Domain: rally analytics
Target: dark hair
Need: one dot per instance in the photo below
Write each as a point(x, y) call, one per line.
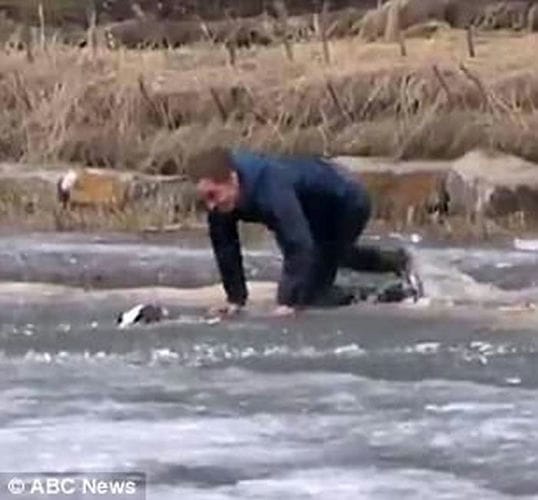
point(215, 164)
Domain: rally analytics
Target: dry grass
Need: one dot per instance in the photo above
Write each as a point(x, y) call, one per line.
point(152, 110)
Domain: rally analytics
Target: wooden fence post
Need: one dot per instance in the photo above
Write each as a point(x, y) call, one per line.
point(27, 38)
point(41, 15)
point(282, 16)
point(323, 31)
point(470, 41)
point(92, 25)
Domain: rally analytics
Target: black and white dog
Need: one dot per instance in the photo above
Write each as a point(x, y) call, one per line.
point(410, 288)
point(141, 313)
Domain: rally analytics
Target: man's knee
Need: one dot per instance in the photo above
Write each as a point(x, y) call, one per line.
point(332, 296)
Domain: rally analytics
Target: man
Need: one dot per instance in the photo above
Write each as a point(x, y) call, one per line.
point(316, 210)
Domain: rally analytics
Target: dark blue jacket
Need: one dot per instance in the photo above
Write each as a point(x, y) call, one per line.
point(299, 199)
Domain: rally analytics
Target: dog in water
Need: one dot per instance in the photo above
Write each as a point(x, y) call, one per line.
point(141, 313)
point(410, 288)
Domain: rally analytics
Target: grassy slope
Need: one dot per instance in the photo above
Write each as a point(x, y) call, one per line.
point(93, 108)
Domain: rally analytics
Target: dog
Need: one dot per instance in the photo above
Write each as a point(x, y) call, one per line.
point(141, 313)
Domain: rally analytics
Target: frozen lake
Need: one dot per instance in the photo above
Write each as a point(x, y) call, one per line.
point(435, 400)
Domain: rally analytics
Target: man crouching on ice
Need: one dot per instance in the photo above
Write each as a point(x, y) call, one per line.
point(316, 211)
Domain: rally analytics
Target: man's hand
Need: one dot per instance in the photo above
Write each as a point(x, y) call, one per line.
point(225, 310)
point(281, 311)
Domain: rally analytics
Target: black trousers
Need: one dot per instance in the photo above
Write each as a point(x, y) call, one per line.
point(342, 251)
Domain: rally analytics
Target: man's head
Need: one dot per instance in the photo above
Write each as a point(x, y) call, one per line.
point(217, 183)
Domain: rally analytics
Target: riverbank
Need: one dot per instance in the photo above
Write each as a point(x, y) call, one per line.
point(445, 142)
point(481, 196)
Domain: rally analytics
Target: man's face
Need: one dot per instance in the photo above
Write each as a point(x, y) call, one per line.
point(219, 196)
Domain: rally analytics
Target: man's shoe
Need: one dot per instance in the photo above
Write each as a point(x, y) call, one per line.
point(335, 296)
point(394, 292)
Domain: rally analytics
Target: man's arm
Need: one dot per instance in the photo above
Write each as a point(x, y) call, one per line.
point(295, 240)
point(227, 249)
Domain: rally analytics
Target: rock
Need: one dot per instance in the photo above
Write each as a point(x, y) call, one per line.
point(532, 18)
point(477, 187)
point(342, 23)
point(408, 13)
point(24, 193)
point(385, 21)
point(241, 32)
point(396, 15)
point(461, 13)
point(33, 197)
point(426, 30)
point(299, 28)
point(505, 15)
point(373, 23)
point(156, 33)
point(496, 186)
point(408, 193)
point(91, 187)
point(411, 197)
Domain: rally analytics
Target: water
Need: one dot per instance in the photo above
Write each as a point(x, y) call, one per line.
point(435, 400)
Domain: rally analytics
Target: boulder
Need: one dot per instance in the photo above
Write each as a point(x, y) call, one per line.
point(461, 13)
point(403, 14)
point(93, 188)
point(373, 23)
point(532, 18)
point(398, 15)
point(496, 186)
point(403, 193)
point(241, 32)
point(480, 186)
point(93, 197)
point(179, 33)
point(25, 193)
point(299, 28)
point(407, 197)
point(343, 23)
point(155, 33)
point(133, 33)
point(505, 15)
point(152, 33)
point(426, 30)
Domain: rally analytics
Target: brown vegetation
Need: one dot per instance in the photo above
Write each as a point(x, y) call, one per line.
point(151, 110)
